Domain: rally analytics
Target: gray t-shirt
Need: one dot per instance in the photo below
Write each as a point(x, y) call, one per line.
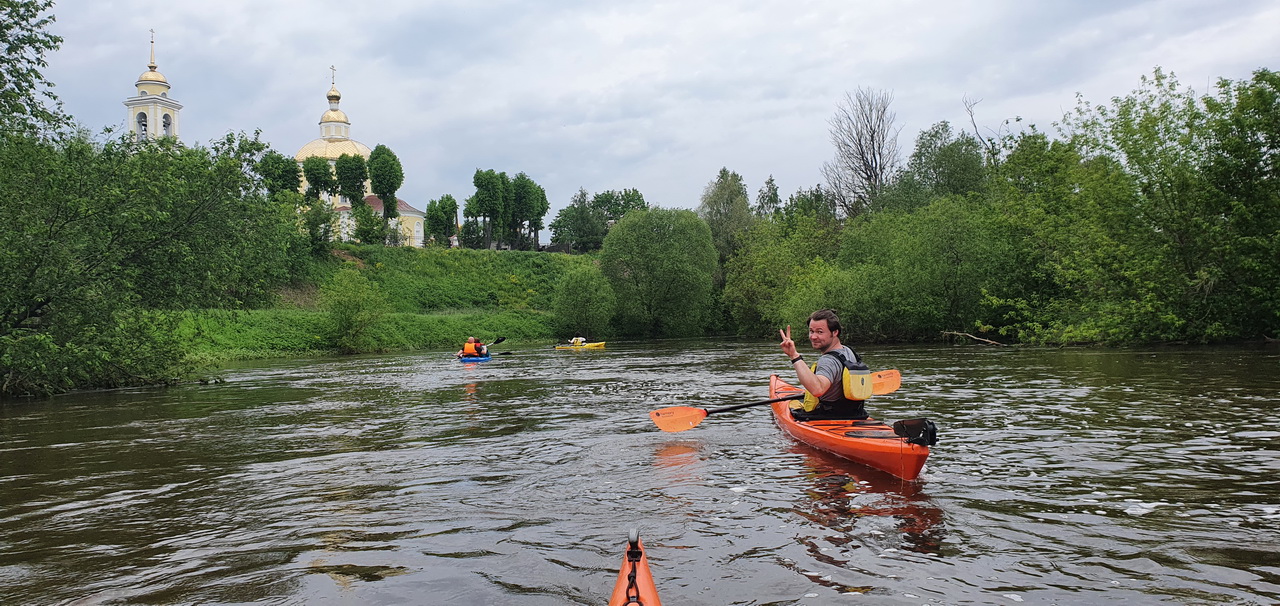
point(831, 368)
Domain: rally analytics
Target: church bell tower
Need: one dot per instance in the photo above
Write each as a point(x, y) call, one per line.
point(152, 113)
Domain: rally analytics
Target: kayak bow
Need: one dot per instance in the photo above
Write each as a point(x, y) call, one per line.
point(634, 584)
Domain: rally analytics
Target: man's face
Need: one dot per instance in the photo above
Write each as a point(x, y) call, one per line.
point(819, 335)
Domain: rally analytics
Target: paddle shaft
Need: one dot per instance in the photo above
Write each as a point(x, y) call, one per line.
point(761, 403)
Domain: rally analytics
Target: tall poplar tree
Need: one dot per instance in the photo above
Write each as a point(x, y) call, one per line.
point(386, 175)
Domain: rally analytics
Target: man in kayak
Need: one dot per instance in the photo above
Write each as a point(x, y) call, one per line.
point(472, 348)
point(578, 340)
point(825, 380)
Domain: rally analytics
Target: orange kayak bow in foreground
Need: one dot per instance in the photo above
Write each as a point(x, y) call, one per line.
point(635, 584)
point(867, 441)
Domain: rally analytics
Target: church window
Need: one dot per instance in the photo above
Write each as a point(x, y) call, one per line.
point(167, 123)
point(142, 126)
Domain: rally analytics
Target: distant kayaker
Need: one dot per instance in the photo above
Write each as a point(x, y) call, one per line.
point(578, 340)
point(826, 378)
point(472, 348)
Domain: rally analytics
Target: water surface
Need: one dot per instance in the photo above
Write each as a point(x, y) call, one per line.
point(1063, 477)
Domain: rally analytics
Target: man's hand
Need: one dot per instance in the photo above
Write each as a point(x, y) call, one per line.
point(788, 346)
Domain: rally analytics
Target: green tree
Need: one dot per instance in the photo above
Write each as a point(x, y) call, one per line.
point(944, 163)
point(1163, 135)
point(815, 203)
point(101, 238)
point(727, 210)
point(319, 176)
point(528, 206)
point(768, 201)
point(351, 172)
point(386, 175)
point(27, 102)
point(318, 218)
point(442, 219)
point(354, 306)
point(579, 225)
point(279, 173)
point(615, 204)
point(584, 302)
point(759, 275)
point(1242, 165)
point(472, 234)
point(661, 263)
point(489, 200)
point(920, 273)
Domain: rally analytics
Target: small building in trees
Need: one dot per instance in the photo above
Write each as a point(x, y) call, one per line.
point(335, 141)
point(151, 113)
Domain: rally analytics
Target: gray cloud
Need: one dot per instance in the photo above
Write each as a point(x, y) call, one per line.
point(652, 95)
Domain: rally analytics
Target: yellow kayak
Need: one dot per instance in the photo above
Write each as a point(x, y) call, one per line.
point(598, 345)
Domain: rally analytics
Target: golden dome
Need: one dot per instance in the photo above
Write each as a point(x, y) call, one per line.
point(152, 75)
point(335, 115)
point(333, 94)
point(332, 149)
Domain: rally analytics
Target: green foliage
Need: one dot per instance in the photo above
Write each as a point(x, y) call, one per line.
point(814, 203)
point(759, 277)
point(386, 175)
point(95, 234)
point(441, 218)
point(131, 347)
point(580, 224)
point(1163, 225)
point(472, 235)
point(489, 199)
point(279, 173)
point(584, 302)
point(727, 210)
point(660, 263)
point(924, 272)
point(439, 279)
point(319, 176)
point(350, 172)
point(317, 223)
point(767, 199)
point(615, 205)
point(220, 335)
point(24, 91)
point(354, 306)
point(944, 163)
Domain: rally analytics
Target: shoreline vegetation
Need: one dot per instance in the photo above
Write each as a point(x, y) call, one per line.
point(129, 260)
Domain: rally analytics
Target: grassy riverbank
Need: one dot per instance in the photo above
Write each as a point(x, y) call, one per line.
point(218, 336)
point(423, 299)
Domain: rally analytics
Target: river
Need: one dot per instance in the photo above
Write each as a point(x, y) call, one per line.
point(1074, 476)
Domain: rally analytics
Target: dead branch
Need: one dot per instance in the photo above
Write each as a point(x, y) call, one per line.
point(965, 334)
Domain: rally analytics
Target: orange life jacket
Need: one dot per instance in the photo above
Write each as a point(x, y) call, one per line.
point(471, 349)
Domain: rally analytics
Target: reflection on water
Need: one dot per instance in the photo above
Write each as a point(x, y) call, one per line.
point(1063, 476)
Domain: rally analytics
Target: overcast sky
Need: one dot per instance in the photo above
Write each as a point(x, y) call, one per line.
point(651, 95)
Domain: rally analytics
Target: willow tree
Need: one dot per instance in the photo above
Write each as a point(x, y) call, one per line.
point(660, 263)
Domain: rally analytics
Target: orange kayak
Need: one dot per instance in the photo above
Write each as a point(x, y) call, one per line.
point(869, 442)
point(635, 584)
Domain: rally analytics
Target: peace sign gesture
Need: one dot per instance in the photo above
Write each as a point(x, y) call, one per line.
point(788, 346)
